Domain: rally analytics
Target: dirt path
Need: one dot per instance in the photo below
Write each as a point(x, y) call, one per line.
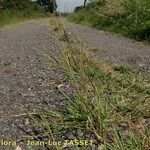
point(115, 48)
point(29, 80)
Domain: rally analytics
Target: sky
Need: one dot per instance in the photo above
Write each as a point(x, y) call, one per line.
point(68, 5)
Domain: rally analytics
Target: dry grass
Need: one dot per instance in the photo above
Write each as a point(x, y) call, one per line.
point(56, 24)
point(113, 7)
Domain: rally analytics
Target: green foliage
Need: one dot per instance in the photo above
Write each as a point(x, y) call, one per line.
point(49, 5)
point(19, 5)
point(12, 11)
point(128, 17)
point(78, 8)
point(11, 17)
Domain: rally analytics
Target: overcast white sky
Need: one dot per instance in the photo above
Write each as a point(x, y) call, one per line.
point(68, 5)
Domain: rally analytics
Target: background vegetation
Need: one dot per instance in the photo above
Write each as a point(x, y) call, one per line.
point(49, 5)
point(17, 10)
point(127, 17)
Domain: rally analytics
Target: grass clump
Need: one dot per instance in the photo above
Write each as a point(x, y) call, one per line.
point(130, 18)
point(109, 103)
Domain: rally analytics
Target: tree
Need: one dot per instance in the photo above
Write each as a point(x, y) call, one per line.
point(78, 8)
point(85, 1)
point(49, 5)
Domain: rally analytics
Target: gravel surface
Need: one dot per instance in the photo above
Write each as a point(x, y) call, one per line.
point(115, 48)
point(29, 80)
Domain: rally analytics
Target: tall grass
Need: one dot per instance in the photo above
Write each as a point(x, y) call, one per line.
point(109, 103)
point(127, 17)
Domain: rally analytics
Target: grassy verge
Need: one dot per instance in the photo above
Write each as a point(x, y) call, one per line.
point(14, 11)
point(12, 17)
point(109, 103)
point(130, 18)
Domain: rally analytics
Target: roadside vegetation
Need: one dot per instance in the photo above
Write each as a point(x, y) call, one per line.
point(110, 104)
point(130, 18)
point(13, 11)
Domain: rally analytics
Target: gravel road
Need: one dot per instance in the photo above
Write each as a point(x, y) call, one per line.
point(115, 48)
point(28, 79)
